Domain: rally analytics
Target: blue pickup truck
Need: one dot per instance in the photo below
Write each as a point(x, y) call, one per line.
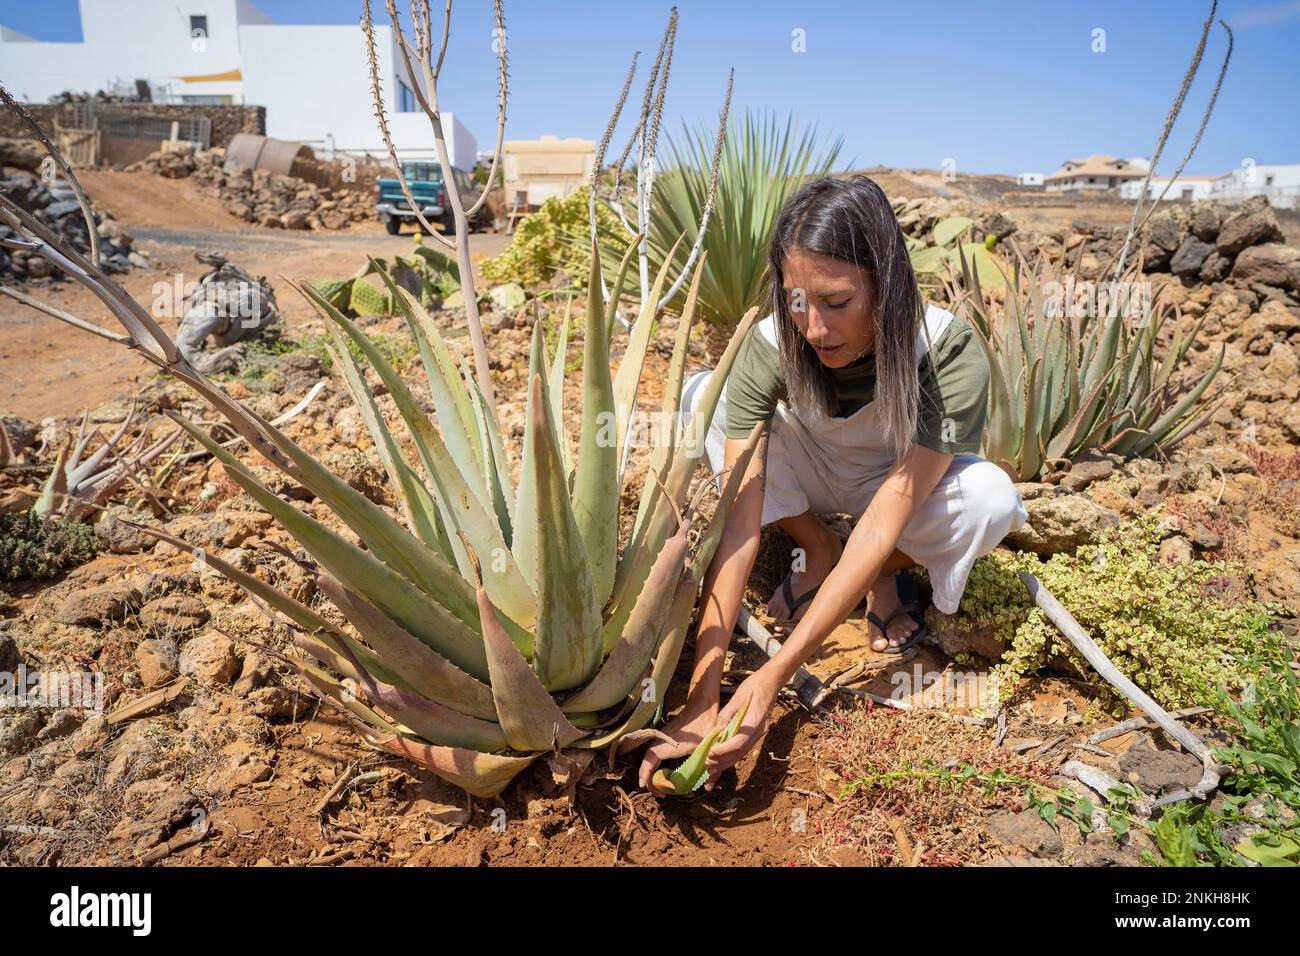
point(429, 191)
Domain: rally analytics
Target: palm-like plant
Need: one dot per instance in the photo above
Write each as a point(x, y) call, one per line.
point(761, 164)
point(1065, 379)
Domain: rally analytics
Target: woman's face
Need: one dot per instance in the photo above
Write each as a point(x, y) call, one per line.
point(832, 303)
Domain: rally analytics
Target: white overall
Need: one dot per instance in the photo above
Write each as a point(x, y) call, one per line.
point(834, 465)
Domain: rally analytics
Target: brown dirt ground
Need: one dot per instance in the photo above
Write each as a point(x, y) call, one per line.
point(50, 369)
point(784, 805)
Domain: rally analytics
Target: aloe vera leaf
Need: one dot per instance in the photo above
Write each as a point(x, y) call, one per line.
point(529, 716)
point(635, 643)
point(661, 672)
point(628, 376)
point(463, 510)
point(642, 550)
point(616, 290)
point(423, 669)
point(567, 646)
point(664, 451)
point(692, 773)
point(594, 501)
point(556, 389)
point(362, 572)
point(483, 775)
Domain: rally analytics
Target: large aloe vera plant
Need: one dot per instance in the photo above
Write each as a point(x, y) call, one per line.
point(495, 621)
point(498, 621)
point(1066, 379)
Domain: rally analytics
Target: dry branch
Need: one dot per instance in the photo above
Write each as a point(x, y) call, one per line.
point(1102, 664)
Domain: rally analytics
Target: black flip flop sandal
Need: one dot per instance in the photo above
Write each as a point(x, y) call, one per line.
point(910, 597)
point(787, 591)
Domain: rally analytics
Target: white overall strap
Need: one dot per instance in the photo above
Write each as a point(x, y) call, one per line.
point(936, 320)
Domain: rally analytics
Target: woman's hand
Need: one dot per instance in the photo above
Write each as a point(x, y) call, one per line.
point(688, 728)
point(757, 695)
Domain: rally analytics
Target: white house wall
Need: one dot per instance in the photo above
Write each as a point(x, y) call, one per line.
point(149, 40)
point(1201, 189)
point(313, 80)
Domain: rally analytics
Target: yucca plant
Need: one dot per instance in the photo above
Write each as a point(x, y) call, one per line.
point(762, 162)
point(1064, 380)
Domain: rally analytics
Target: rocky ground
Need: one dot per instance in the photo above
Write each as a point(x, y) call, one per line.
point(208, 752)
point(55, 207)
point(261, 197)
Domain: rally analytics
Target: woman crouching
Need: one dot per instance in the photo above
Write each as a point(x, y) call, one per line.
point(876, 407)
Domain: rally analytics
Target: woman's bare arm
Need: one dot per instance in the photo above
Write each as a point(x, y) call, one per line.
point(724, 582)
point(724, 586)
point(909, 482)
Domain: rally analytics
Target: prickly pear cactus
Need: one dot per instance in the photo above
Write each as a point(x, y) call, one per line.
point(337, 292)
point(367, 300)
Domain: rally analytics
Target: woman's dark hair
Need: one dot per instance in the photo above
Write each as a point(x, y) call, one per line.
point(852, 220)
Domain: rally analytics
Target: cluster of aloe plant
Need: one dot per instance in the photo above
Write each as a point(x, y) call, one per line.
point(1067, 378)
point(499, 622)
point(83, 479)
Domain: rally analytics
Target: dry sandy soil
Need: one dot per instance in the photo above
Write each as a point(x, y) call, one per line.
point(47, 368)
point(272, 790)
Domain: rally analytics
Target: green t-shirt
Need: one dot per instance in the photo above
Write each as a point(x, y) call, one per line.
point(953, 384)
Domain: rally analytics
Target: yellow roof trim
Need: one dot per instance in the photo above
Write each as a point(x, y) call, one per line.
point(228, 76)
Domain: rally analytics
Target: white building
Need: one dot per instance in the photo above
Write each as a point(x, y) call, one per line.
point(1279, 183)
point(1029, 179)
point(1097, 173)
point(1185, 188)
point(313, 80)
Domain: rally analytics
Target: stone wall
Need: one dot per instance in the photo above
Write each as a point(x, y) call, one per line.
point(226, 122)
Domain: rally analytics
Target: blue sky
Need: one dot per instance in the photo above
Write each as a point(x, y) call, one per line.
point(1000, 86)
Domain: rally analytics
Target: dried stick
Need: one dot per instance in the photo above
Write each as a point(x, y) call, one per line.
point(501, 116)
point(381, 115)
point(646, 133)
point(1174, 110)
point(1196, 140)
point(599, 160)
point(181, 841)
point(428, 100)
point(709, 197)
point(1102, 664)
point(1102, 783)
point(62, 316)
point(1141, 723)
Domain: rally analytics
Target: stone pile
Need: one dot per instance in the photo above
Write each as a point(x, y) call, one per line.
point(56, 208)
point(1203, 241)
point(261, 197)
